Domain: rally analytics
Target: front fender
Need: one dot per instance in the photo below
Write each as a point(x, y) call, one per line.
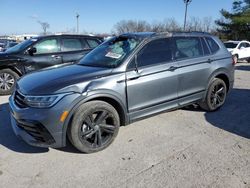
point(85, 97)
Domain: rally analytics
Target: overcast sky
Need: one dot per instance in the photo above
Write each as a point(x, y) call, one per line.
point(98, 16)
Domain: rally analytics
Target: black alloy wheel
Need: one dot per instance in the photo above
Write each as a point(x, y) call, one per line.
point(216, 95)
point(94, 126)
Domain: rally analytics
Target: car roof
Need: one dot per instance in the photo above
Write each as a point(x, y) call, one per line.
point(143, 35)
point(67, 35)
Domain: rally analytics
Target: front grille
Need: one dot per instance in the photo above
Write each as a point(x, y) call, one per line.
point(19, 99)
point(37, 131)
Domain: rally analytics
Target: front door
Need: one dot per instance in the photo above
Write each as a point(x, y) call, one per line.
point(47, 54)
point(153, 85)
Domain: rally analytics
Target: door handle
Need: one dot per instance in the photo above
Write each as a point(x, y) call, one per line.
point(134, 78)
point(172, 68)
point(209, 61)
point(56, 56)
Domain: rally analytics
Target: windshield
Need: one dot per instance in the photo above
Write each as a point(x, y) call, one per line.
point(21, 46)
point(111, 53)
point(230, 44)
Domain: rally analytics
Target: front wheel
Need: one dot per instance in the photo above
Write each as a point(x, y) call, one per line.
point(216, 95)
point(8, 80)
point(94, 126)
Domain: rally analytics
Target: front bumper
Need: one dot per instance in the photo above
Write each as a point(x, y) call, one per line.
point(41, 127)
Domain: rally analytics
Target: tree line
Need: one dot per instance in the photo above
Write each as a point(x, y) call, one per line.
point(234, 24)
point(194, 24)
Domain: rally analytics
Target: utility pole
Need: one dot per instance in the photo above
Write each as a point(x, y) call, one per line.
point(187, 2)
point(77, 22)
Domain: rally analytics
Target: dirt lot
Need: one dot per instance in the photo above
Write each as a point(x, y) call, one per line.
point(182, 148)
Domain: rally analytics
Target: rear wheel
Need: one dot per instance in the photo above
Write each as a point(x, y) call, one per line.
point(216, 95)
point(94, 126)
point(8, 80)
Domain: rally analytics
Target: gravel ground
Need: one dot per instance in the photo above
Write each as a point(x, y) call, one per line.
point(181, 148)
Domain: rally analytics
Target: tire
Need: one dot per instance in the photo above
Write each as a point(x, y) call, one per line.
point(235, 58)
point(8, 80)
point(216, 95)
point(94, 126)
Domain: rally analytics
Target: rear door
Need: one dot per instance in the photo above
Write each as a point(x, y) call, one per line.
point(48, 53)
point(73, 48)
point(154, 84)
point(194, 61)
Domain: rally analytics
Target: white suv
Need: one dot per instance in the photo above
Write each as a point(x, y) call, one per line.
point(239, 50)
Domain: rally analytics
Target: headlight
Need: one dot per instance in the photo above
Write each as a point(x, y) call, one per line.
point(45, 101)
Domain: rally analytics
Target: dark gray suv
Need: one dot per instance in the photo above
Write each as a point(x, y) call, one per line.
point(126, 78)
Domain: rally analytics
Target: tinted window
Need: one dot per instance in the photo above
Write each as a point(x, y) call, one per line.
point(205, 47)
point(71, 44)
point(157, 51)
point(247, 45)
point(85, 44)
point(230, 44)
point(47, 46)
point(92, 43)
point(212, 45)
point(187, 47)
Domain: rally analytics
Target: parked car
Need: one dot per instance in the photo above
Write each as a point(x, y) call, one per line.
point(9, 45)
point(239, 49)
point(125, 79)
point(40, 52)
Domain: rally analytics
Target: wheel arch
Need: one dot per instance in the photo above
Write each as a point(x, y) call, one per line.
point(14, 69)
point(110, 99)
point(218, 74)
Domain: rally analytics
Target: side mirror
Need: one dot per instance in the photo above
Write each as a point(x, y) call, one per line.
point(31, 51)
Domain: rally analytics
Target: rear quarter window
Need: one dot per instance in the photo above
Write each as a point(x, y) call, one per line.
point(214, 47)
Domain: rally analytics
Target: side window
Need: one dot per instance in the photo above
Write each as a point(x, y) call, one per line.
point(85, 44)
point(212, 45)
point(247, 45)
point(47, 46)
point(157, 51)
point(242, 45)
point(92, 43)
point(188, 47)
point(205, 47)
point(69, 44)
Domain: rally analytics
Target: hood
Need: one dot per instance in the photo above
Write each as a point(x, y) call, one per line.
point(4, 56)
point(55, 80)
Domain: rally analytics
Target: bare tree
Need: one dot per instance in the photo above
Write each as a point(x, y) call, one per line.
point(126, 26)
point(172, 25)
point(169, 25)
point(207, 24)
point(44, 26)
point(158, 27)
